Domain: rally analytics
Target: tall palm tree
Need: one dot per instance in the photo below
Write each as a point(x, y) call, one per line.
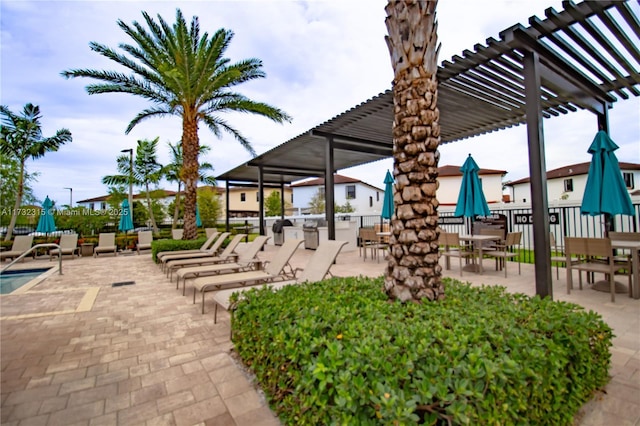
point(21, 138)
point(146, 171)
point(413, 272)
point(182, 73)
point(173, 173)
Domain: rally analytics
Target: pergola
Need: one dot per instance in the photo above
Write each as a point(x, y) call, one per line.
point(586, 56)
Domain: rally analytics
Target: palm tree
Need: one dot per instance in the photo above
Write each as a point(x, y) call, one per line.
point(21, 138)
point(413, 272)
point(146, 171)
point(185, 74)
point(172, 172)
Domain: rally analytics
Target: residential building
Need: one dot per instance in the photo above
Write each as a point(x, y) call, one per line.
point(101, 203)
point(569, 182)
point(362, 197)
point(450, 181)
point(245, 201)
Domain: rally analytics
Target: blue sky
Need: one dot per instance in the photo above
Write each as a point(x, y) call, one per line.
point(321, 58)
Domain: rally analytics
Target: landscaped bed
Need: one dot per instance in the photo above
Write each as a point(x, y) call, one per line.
point(338, 352)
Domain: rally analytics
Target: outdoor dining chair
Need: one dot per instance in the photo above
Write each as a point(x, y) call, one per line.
point(507, 250)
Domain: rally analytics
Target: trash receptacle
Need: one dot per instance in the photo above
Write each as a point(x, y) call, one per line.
point(311, 235)
point(278, 232)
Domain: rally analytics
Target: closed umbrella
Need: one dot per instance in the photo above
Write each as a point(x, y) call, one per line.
point(471, 200)
point(126, 220)
point(198, 220)
point(605, 192)
point(387, 203)
point(46, 223)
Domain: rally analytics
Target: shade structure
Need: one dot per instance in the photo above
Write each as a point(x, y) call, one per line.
point(198, 220)
point(471, 200)
point(387, 203)
point(605, 192)
point(126, 219)
point(46, 223)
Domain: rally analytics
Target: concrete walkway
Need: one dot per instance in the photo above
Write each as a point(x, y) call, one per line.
point(76, 350)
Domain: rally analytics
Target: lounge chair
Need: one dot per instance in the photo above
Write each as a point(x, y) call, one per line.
point(203, 247)
point(273, 271)
point(210, 231)
point(228, 255)
point(68, 246)
point(144, 240)
point(246, 260)
point(317, 268)
point(106, 244)
point(177, 234)
point(21, 244)
point(211, 251)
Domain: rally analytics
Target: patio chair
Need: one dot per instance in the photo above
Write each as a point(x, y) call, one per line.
point(203, 247)
point(211, 251)
point(454, 248)
point(68, 246)
point(210, 231)
point(559, 257)
point(106, 244)
point(504, 251)
point(595, 256)
point(21, 243)
point(144, 240)
point(245, 260)
point(317, 268)
point(177, 234)
point(273, 271)
point(227, 255)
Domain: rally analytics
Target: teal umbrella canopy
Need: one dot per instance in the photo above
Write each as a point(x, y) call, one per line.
point(198, 220)
point(387, 203)
point(471, 200)
point(46, 223)
point(605, 192)
point(126, 219)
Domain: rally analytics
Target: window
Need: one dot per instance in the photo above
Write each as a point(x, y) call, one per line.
point(91, 206)
point(628, 180)
point(258, 197)
point(103, 205)
point(243, 197)
point(568, 185)
point(371, 201)
point(377, 196)
point(351, 192)
point(292, 198)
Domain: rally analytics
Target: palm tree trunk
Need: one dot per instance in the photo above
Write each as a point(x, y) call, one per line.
point(413, 272)
point(151, 216)
point(16, 208)
point(190, 148)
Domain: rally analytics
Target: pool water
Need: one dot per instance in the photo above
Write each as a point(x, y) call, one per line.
point(13, 280)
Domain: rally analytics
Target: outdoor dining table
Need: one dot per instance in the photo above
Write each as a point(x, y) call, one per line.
point(477, 241)
point(634, 246)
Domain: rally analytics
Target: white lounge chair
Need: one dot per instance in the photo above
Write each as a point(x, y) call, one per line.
point(68, 246)
point(106, 244)
point(144, 240)
point(21, 244)
point(211, 251)
point(210, 239)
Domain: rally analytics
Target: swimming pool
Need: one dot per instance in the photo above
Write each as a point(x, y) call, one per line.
point(13, 280)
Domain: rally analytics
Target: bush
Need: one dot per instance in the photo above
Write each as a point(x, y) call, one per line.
point(172, 245)
point(338, 352)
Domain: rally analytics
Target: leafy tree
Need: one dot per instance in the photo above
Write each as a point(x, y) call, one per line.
point(210, 206)
point(182, 73)
point(21, 138)
point(9, 173)
point(317, 204)
point(146, 171)
point(345, 208)
point(173, 172)
point(273, 204)
point(413, 272)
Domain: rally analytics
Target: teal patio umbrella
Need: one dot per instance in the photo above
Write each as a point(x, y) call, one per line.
point(387, 203)
point(471, 200)
point(198, 220)
point(126, 219)
point(46, 223)
point(605, 192)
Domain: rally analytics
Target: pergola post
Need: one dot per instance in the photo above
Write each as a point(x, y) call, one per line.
point(329, 200)
point(537, 169)
point(261, 200)
point(282, 200)
point(226, 205)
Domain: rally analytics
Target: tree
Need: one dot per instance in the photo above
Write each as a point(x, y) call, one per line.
point(209, 206)
point(9, 174)
point(273, 204)
point(173, 173)
point(413, 272)
point(345, 208)
point(21, 138)
point(185, 74)
point(316, 205)
point(146, 171)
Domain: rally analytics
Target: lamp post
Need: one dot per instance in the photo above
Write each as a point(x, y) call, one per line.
point(130, 151)
point(70, 197)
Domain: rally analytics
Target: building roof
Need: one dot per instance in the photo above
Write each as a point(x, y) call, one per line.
point(101, 198)
point(572, 170)
point(450, 170)
point(337, 179)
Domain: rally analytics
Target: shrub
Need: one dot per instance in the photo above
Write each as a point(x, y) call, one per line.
point(338, 352)
point(172, 245)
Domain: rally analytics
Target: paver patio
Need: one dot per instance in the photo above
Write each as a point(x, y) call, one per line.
point(77, 351)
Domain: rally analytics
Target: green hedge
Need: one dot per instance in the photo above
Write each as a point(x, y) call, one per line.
point(338, 352)
point(172, 245)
